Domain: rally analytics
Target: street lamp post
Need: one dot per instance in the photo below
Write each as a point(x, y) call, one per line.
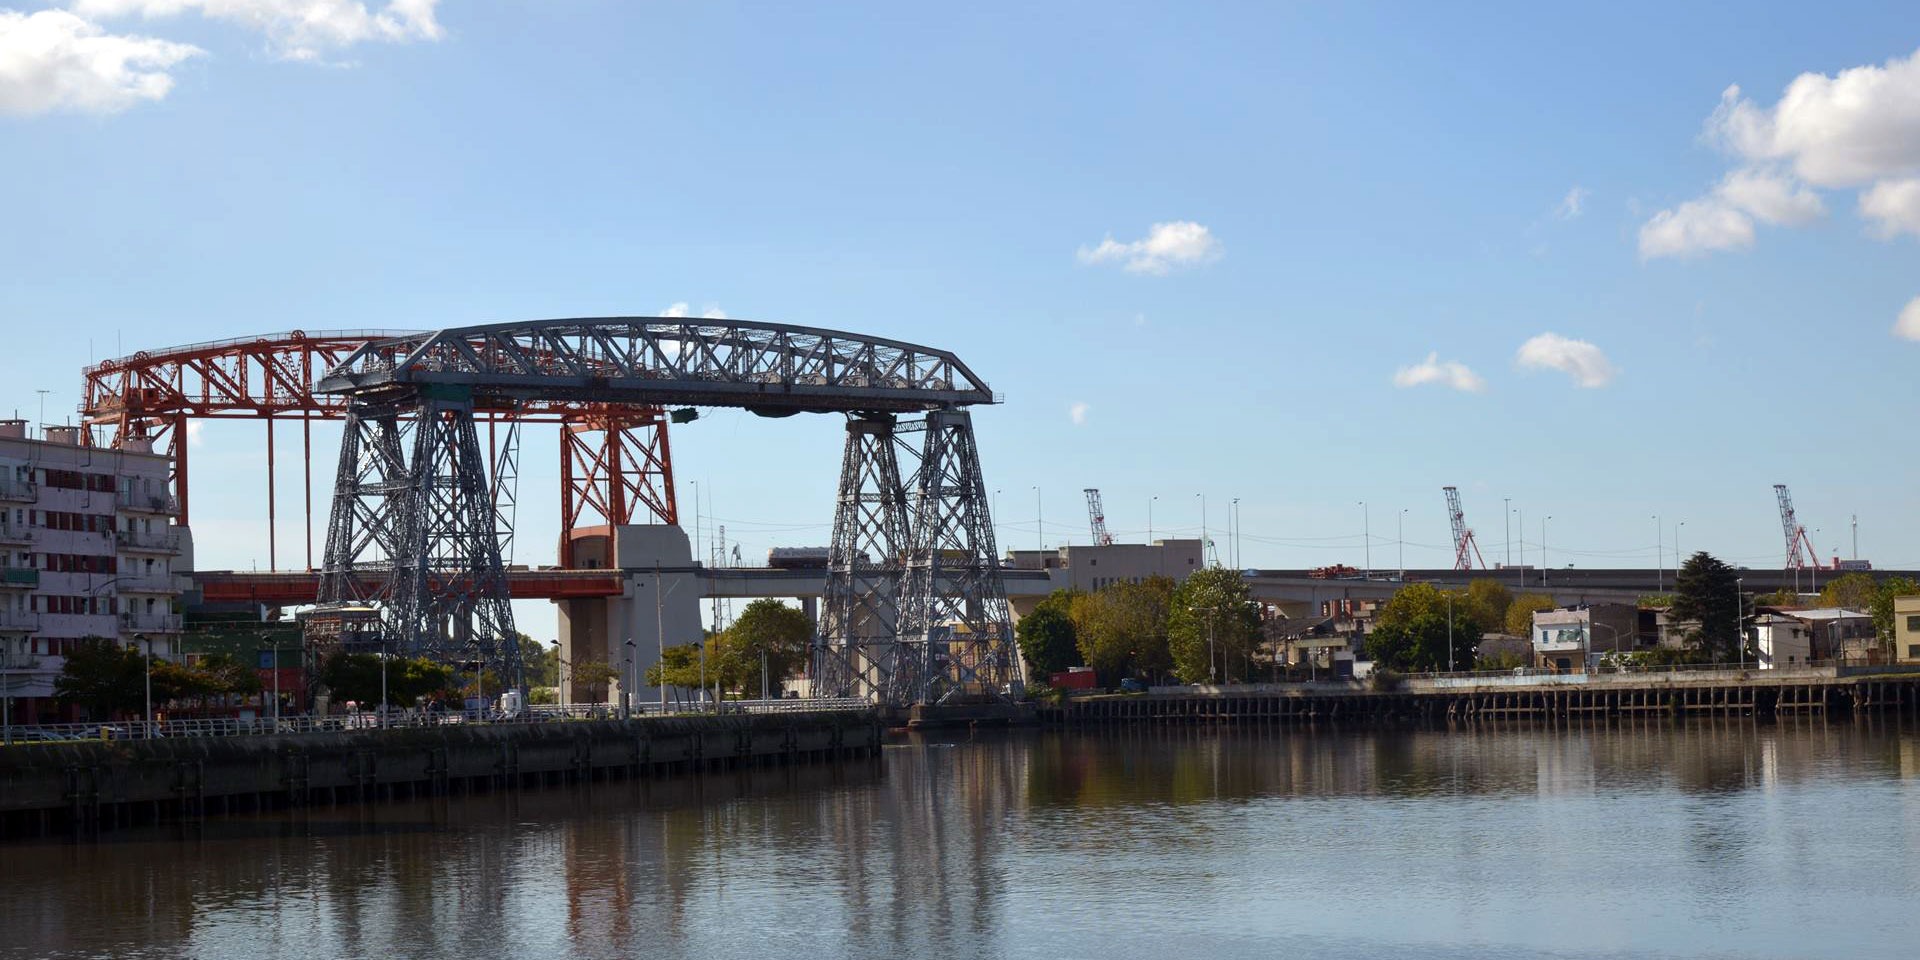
point(626, 683)
point(1676, 552)
point(383, 683)
point(147, 662)
point(1659, 562)
point(1739, 620)
point(1150, 501)
point(1449, 631)
point(559, 676)
point(1233, 535)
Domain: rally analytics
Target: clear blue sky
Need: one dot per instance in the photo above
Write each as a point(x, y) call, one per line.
point(1373, 184)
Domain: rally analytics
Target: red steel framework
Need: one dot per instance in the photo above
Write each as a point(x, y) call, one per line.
point(615, 462)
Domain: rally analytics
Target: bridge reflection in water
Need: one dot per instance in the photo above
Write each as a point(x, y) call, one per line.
point(1123, 843)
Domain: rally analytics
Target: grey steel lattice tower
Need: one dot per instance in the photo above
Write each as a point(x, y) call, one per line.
point(858, 652)
point(413, 545)
point(953, 614)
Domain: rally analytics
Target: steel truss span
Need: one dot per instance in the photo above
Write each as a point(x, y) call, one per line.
point(768, 368)
point(916, 609)
point(615, 459)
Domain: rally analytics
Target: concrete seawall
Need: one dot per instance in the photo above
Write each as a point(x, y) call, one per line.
point(1738, 694)
point(88, 785)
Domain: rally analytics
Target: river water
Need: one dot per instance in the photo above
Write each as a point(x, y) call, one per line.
point(1723, 839)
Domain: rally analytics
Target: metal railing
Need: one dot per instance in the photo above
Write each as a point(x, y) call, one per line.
point(22, 490)
point(11, 532)
point(151, 622)
point(164, 541)
point(150, 502)
point(393, 719)
point(16, 620)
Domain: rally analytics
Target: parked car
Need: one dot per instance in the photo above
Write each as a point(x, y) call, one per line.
point(1133, 685)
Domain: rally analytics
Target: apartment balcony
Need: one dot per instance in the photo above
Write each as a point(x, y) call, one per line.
point(19, 578)
point(18, 621)
point(19, 491)
point(160, 503)
point(146, 541)
point(150, 622)
point(15, 533)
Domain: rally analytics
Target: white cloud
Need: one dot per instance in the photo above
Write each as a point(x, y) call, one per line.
point(1078, 412)
point(1180, 243)
point(1894, 206)
point(1723, 219)
point(1582, 361)
point(297, 29)
point(1771, 197)
point(1572, 204)
point(680, 308)
point(1451, 374)
point(1908, 326)
point(1696, 226)
point(1859, 125)
point(51, 60)
point(195, 430)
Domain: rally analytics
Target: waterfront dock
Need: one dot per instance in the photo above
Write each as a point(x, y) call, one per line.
point(85, 786)
point(1759, 693)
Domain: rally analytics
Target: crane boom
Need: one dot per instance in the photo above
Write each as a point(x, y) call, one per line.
point(1795, 532)
point(1465, 549)
point(1097, 517)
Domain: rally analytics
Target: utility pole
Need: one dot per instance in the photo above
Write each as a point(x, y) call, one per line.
point(1150, 501)
point(1204, 542)
point(1856, 536)
point(1366, 536)
point(1543, 549)
point(1039, 526)
point(1659, 563)
point(1506, 505)
point(1400, 539)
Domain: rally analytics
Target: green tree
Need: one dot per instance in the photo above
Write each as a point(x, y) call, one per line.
point(766, 628)
point(1704, 593)
point(1122, 628)
point(1424, 628)
point(102, 677)
point(541, 666)
point(1488, 601)
point(1854, 591)
point(1212, 626)
point(679, 666)
point(1047, 638)
point(1783, 597)
point(1519, 618)
point(1882, 605)
point(595, 678)
point(230, 676)
point(356, 677)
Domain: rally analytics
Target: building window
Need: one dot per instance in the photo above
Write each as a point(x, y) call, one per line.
point(1913, 623)
point(1913, 651)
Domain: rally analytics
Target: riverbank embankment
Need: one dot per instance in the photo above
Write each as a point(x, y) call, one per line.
point(89, 785)
point(1761, 693)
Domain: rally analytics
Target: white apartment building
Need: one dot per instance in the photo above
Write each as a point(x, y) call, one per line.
point(88, 548)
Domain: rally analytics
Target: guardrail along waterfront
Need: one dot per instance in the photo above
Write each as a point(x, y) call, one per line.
point(1709, 691)
point(92, 784)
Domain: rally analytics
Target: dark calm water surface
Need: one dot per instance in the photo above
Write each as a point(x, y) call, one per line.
point(1726, 839)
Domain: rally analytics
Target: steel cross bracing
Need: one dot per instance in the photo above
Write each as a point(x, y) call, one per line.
point(954, 616)
point(773, 369)
point(915, 607)
point(857, 653)
point(413, 562)
point(151, 396)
